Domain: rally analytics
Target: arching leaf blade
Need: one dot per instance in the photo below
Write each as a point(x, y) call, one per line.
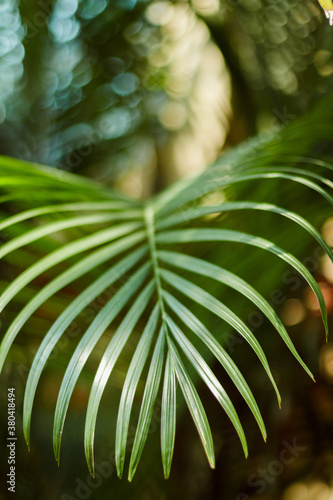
point(168, 415)
point(52, 227)
point(86, 345)
point(131, 381)
point(194, 404)
point(60, 325)
point(197, 327)
point(294, 178)
point(59, 178)
point(294, 171)
point(198, 212)
point(119, 209)
point(210, 380)
point(147, 406)
point(63, 253)
point(207, 300)
point(217, 273)
point(193, 189)
point(105, 368)
point(201, 235)
point(76, 271)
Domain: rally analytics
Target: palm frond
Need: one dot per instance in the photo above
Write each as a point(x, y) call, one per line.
point(152, 253)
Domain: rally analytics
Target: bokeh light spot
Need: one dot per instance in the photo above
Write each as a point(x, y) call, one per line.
point(293, 312)
point(326, 362)
point(125, 84)
point(115, 123)
point(173, 115)
point(160, 13)
point(92, 8)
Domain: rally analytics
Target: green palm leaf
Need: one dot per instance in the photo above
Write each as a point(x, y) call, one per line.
point(62, 280)
point(69, 250)
point(86, 345)
point(192, 190)
point(106, 365)
point(60, 325)
point(215, 306)
point(119, 240)
point(116, 207)
point(130, 385)
point(196, 326)
point(204, 268)
point(209, 378)
point(194, 404)
point(199, 212)
point(168, 415)
point(53, 227)
point(147, 405)
point(201, 235)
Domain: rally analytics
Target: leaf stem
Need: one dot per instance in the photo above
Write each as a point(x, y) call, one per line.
point(150, 229)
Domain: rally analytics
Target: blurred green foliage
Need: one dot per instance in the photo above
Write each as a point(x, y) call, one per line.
point(105, 87)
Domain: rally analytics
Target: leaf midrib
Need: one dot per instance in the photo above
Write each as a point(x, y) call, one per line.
point(150, 230)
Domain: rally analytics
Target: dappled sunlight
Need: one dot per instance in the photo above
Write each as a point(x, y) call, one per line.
point(179, 94)
point(197, 87)
point(312, 490)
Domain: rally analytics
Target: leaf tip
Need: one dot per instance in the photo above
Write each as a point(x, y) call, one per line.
point(131, 471)
point(312, 376)
point(166, 470)
point(278, 397)
point(57, 456)
point(27, 439)
point(245, 448)
point(120, 471)
point(91, 467)
point(264, 434)
point(325, 321)
point(57, 445)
